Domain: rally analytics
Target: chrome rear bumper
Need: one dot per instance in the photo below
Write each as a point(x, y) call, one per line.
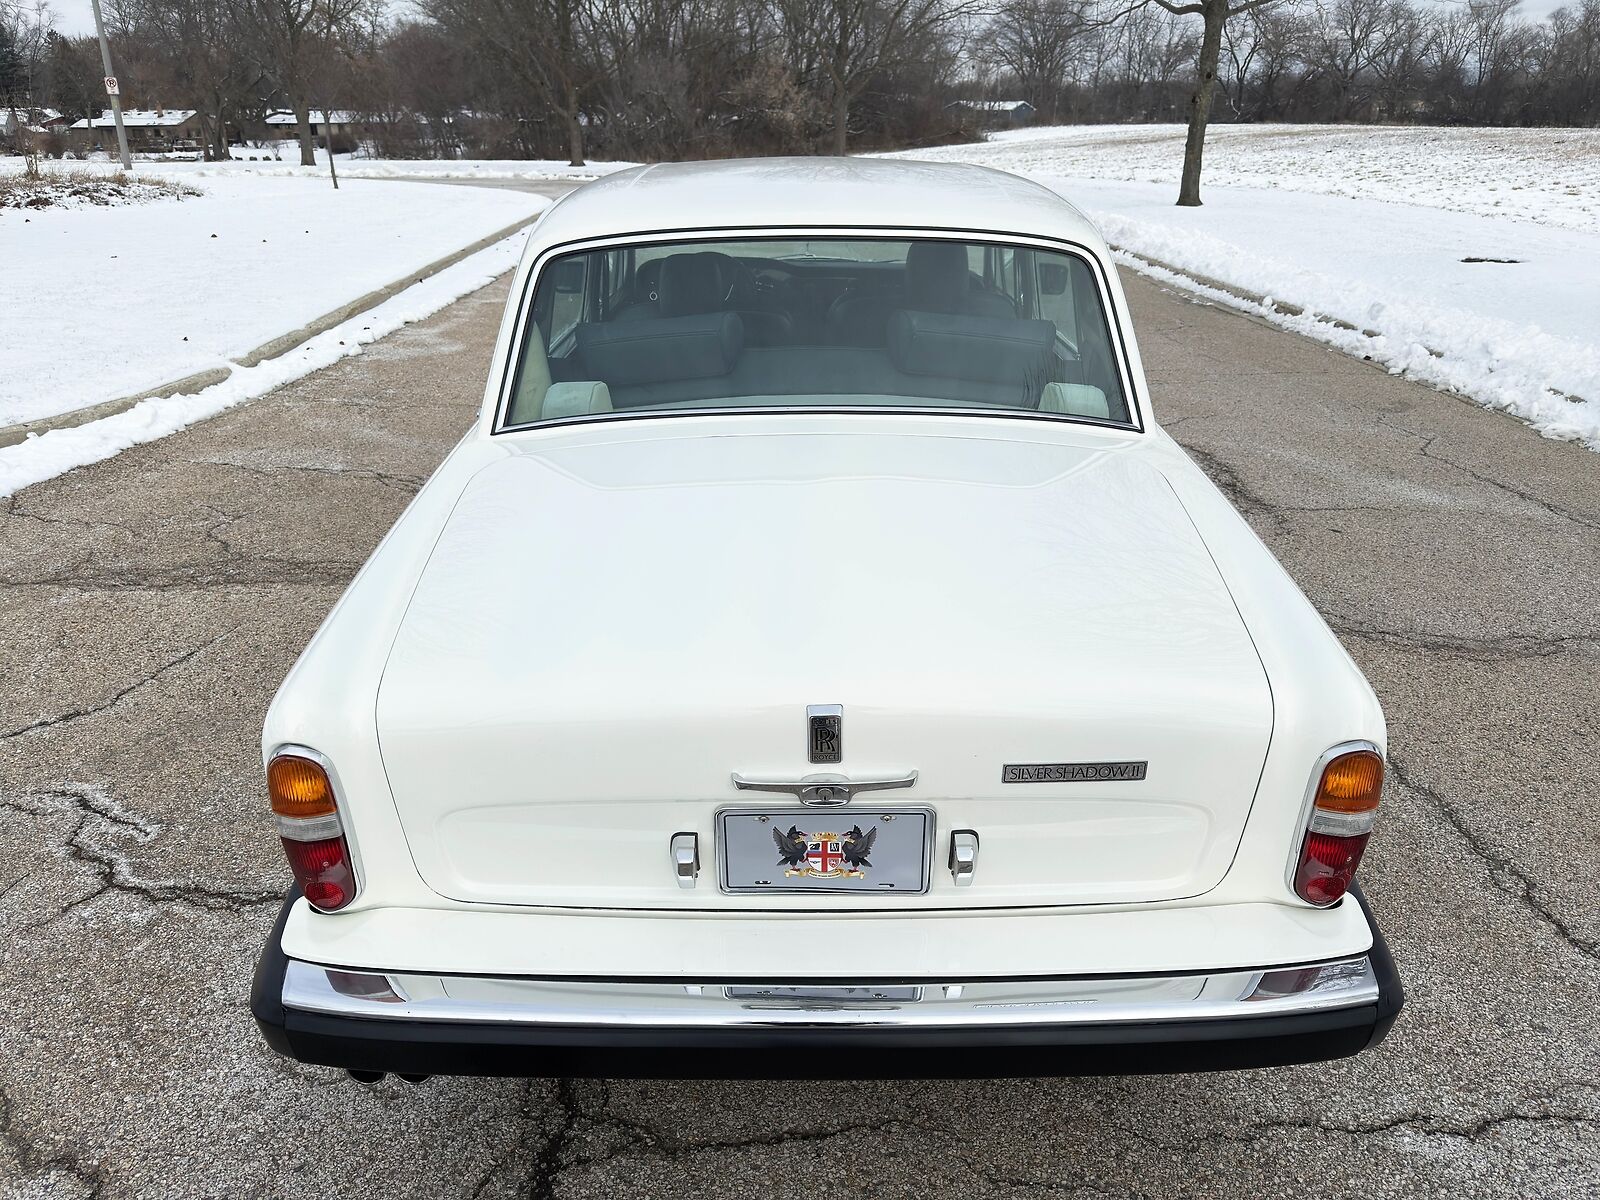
point(1318, 987)
point(493, 1025)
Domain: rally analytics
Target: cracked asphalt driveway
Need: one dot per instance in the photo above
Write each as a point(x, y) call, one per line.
point(149, 606)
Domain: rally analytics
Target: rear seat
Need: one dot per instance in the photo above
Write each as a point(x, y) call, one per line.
point(679, 360)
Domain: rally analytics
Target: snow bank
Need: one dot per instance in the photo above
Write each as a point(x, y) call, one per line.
point(130, 297)
point(49, 454)
point(1522, 335)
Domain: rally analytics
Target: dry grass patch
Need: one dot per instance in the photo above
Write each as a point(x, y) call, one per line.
point(39, 186)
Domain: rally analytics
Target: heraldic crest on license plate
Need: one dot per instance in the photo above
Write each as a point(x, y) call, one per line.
point(764, 850)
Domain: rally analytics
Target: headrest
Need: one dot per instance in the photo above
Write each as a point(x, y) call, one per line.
point(693, 283)
point(575, 399)
point(981, 349)
point(658, 351)
point(1075, 399)
point(936, 276)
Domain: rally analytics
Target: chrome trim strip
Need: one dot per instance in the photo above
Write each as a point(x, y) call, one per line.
point(825, 790)
point(1114, 999)
point(1306, 803)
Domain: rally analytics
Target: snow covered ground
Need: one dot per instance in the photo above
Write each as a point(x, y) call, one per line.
point(1370, 227)
point(1551, 176)
point(128, 297)
point(49, 454)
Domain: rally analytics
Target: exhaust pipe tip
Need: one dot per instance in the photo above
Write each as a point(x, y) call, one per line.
point(367, 1077)
point(416, 1079)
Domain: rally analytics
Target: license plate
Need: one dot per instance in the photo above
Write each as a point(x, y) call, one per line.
point(880, 850)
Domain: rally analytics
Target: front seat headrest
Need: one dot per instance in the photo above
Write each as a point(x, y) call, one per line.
point(936, 276)
point(692, 284)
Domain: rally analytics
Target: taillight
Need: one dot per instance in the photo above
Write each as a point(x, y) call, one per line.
point(1342, 810)
point(307, 815)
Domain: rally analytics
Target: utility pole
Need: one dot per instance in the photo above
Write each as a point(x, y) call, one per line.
point(112, 90)
point(327, 138)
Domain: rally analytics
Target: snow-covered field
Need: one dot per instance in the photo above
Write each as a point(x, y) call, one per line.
point(1370, 227)
point(1551, 176)
point(123, 298)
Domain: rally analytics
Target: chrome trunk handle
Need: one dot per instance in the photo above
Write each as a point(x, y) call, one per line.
point(824, 791)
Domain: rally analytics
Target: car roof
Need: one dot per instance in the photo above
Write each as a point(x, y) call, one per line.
point(765, 193)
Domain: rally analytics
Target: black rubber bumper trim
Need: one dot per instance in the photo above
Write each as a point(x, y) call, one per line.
point(1157, 1047)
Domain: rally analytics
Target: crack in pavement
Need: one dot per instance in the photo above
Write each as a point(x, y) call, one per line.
point(1228, 480)
point(558, 1153)
point(1504, 873)
point(94, 809)
point(241, 571)
point(649, 1143)
point(40, 1163)
point(1251, 502)
point(79, 714)
point(14, 509)
point(1424, 1123)
point(1425, 450)
point(1509, 647)
point(409, 484)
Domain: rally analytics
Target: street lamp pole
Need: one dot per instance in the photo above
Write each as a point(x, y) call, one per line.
point(112, 90)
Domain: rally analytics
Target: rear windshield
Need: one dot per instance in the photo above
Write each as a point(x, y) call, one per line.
point(817, 323)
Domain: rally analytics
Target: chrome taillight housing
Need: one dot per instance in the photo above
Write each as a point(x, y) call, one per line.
point(1339, 817)
point(306, 811)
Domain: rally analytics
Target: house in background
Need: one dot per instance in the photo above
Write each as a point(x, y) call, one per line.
point(282, 124)
point(993, 114)
point(17, 123)
point(150, 130)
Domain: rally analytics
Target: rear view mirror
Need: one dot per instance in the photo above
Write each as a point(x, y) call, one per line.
point(567, 276)
point(1052, 278)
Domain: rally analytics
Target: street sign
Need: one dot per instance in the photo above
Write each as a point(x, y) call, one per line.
point(111, 86)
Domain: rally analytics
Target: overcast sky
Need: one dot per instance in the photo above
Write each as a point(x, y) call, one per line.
point(75, 16)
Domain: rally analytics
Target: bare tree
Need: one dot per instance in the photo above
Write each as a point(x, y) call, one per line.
point(1343, 40)
point(199, 56)
point(1038, 42)
point(1214, 15)
point(544, 44)
point(847, 42)
point(292, 41)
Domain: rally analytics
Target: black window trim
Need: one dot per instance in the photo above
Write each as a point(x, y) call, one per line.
point(511, 365)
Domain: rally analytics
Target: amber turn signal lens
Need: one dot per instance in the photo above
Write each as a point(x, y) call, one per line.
point(1351, 783)
point(299, 787)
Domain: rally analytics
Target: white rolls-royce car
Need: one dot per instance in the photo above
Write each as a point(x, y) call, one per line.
point(816, 661)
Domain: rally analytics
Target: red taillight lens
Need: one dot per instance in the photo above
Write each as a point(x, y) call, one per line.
point(1327, 865)
point(307, 814)
point(322, 869)
point(1342, 811)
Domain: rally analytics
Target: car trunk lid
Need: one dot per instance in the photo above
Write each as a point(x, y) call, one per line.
point(606, 634)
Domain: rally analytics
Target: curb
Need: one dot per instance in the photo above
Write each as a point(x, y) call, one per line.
point(1281, 307)
point(11, 435)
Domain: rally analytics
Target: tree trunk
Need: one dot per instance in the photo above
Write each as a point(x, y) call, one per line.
point(1216, 11)
point(302, 122)
point(841, 119)
point(574, 129)
point(220, 151)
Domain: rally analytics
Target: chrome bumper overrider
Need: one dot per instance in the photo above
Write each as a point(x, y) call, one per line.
point(622, 1004)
